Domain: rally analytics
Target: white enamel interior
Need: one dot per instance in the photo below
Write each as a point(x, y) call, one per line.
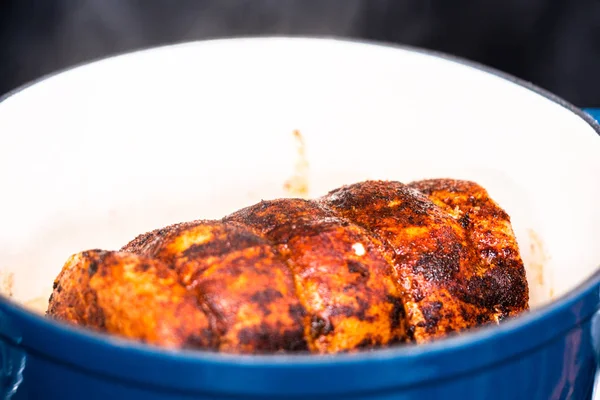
point(93, 156)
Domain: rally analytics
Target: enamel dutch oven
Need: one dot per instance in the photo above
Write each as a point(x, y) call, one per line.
point(92, 156)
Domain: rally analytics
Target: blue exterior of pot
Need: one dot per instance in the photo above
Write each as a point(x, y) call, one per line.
point(550, 353)
point(594, 112)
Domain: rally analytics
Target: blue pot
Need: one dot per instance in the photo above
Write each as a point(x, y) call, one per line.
point(548, 353)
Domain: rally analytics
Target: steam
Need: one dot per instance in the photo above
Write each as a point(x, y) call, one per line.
point(57, 34)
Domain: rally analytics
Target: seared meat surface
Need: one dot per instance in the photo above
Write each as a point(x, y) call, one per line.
point(368, 265)
point(349, 294)
point(247, 289)
point(129, 295)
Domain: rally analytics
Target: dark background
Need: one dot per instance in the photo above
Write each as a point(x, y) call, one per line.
point(553, 43)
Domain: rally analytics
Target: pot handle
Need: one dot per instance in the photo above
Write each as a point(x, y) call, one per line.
point(594, 113)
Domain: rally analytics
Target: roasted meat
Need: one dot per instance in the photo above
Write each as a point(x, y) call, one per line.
point(133, 296)
point(343, 282)
point(455, 255)
point(368, 265)
point(247, 289)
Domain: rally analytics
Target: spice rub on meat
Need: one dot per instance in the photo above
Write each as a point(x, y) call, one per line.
point(368, 265)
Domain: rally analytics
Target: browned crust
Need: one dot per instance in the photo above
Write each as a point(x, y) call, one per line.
point(247, 288)
point(351, 299)
point(366, 266)
point(129, 295)
point(499, 282)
